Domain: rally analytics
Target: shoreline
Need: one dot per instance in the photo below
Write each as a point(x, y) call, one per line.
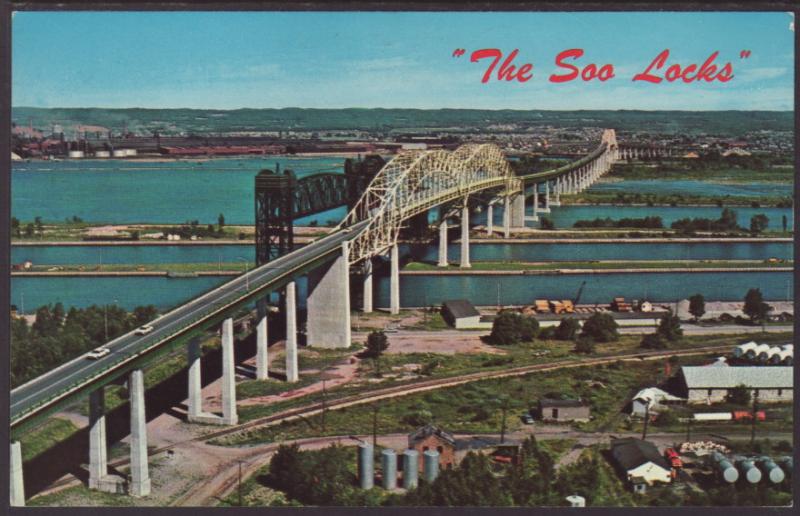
point(557, 272)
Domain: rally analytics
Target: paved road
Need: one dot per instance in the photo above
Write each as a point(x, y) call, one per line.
point(60, 383)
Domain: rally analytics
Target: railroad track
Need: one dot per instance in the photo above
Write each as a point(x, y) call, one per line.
point(408, 389)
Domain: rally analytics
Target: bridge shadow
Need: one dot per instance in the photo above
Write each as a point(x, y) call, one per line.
point(72, 455)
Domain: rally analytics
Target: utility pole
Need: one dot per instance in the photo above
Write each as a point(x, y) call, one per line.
point(504, 408)
point(753, 422)
point(374, 426)
point(240, 483)
point(323, 404)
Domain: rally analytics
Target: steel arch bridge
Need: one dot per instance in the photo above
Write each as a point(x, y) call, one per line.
point(416, 181)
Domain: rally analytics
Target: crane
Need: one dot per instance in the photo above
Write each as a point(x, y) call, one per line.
point(580, 291)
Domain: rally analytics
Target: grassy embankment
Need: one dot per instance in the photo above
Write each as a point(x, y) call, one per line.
point(432, 366)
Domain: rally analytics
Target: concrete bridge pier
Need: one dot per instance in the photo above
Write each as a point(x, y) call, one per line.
point(367, 308)
point(557, 192)
point(442, 244)
point(17, 486)
point(546, 208)
point(328, 303)
point(518, 210)
point(262, 342)
point(507, 216)
point(195, 406)
point(140, 474)
point(464, 264)
point(490, 219)
point(535, 217)
point(291, 333)
point(394, 281)
point(229, 416)
point(98, 447)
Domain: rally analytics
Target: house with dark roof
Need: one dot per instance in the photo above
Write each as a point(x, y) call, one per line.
point(640, 462)
point(431, 437)
point(461, 314)
point(563, 410)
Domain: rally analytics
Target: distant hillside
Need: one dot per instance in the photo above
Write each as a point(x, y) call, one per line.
point(204, 121)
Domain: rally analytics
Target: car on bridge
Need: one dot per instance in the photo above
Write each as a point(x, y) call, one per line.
point(143, 330)
point(97, 353)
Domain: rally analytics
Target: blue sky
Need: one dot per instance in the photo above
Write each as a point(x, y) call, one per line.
point(346, 59)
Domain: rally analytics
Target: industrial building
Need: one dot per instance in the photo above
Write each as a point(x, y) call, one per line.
point(640, 462)
point(461, 314)
point(431, 437)
point(563, 410)
point(701, 384)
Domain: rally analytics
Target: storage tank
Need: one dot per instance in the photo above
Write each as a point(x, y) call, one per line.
point(771, 470)
point(765, 356)
point(749, 470)
point(787, 463)
point(366, 473)
point(410, 469)
point(389, 467)
point(779, 357)
point(430, 465)
point(789, 347)
point(742, 349)
point(712, 416)
point(788, 359)
point(724, 468)
point(754, 352)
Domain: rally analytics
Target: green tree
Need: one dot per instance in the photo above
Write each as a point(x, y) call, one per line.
point(567, 329)
point(670, 327)
point(697, 306)
point(784, 222)
point(377, 343)
point(758, 223)
point(510, 327)
point(221, 222)
point(38, 222)
point(601, 327)
point(755, 307)
point(654, 341)
point(15, 226)
point(585, 344)
point(727, 219)
point(739, 395)
point(29, 230)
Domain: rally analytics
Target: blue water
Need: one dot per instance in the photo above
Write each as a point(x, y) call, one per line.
point(168, 192)
point(165, 293)
point(174, 192)
point(109, 254)
point(600, 288)
point(695, 187)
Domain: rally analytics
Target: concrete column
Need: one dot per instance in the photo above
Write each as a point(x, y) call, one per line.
point(546, 197)
point(410, 469)
point(490, 219)
point(465, 238)
point(518, 210)
point(328, 303)
point(98, 445)
point(389, 468)
point(394, 281)
point(17, 486)
point(557, 192)
point(291, 333)
point(367, 286)
point(229, 416)
point(442, 244)
point(140, 475)
point(195, 404)
point(507, 216)
point(535, 202)
point(262, 344)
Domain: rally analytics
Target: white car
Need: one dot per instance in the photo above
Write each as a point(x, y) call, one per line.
point(98, 353)
point(143, 330)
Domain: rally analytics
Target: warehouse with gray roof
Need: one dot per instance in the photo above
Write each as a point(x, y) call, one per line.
point(703, 384)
